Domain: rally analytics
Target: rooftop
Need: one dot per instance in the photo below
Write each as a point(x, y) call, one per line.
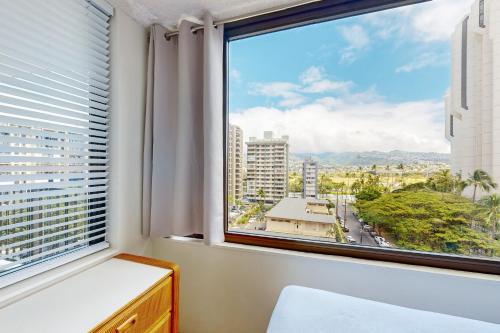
point(295, 209)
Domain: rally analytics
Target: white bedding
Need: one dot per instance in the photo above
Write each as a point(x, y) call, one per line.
point(304, 310)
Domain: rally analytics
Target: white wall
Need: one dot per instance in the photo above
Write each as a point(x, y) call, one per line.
point(128, 89)
point(228, 289)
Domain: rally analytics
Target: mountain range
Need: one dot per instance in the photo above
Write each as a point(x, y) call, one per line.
point(369, 158)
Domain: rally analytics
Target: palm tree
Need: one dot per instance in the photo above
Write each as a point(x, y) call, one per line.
point(262, 195)
point(481, 179)
point(388, 176)
point(491, 207)
point(337, 188)
point(348, 175)
point(459, 184)
point(401, 167)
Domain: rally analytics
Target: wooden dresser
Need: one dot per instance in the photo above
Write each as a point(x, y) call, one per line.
point(125, 294)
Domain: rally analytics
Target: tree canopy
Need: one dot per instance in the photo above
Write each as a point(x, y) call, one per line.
point(429, 221)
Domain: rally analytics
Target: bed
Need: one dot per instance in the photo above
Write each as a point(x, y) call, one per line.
point(305, 310)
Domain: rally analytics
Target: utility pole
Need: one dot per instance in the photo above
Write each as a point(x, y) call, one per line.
point(345, 209)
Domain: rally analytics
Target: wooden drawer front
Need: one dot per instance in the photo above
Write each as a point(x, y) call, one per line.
point(143, 313)
point(163, 326)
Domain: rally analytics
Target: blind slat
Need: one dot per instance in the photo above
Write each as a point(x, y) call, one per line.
point(48, 143)
point(13, 246)
point(79, 110)
point(47, 202)
point(49, 219)
point(51, 176)
point(46, 134)
point(51, 193)
point(48, 210)
point(99, 219)
point(27, 76)
point(49, 252)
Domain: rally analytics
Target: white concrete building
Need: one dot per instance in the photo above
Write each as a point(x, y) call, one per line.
point(235, 163)
point(309, 217)
point(473, 101)
point(309, 179)
point(267, 168)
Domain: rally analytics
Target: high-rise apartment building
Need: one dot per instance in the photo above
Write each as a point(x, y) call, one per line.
point(473, 101)
point(235, 163)
point(267, 168)
point(309, 179)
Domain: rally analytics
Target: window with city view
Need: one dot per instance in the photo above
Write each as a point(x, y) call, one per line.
point(375, 130)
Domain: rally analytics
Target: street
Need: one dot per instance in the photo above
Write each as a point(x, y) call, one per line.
point(355, 231)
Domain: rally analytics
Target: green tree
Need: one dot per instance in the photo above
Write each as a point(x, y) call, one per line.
point(325, 185)
point(369, 193)
point(442, 181)
point(490, 206)
point(262, 196)
point(480, 179)
point(428, 221)
point(295, 182)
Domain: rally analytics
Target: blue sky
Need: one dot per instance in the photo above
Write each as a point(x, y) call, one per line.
point(380, 75)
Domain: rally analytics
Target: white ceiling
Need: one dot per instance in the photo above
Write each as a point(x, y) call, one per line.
point(169, 12)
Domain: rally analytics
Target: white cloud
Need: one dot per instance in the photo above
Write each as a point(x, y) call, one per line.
point(357, 40)
point(428, 22)
point(334, 124)
point(322, 86)
point(427, 59)
point(313, 82)
point(311, 74)
point(235, 75)
point(288, 92)
point(437, 19)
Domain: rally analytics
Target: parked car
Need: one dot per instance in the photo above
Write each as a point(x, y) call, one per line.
point(379, 240)
point(385, 244)
point(367, 227)
point(351, 240)
point(345, 229)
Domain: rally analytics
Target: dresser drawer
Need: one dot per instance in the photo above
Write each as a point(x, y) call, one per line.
point(162, 326)
point(139, 316)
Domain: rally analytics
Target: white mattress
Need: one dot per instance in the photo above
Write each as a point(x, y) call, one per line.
point(304, 310)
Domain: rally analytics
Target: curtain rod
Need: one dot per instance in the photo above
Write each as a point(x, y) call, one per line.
point(173, 33)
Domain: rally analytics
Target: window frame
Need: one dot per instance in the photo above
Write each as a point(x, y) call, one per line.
point(297, 16)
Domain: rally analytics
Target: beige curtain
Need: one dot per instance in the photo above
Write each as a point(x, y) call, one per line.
point(183, 173)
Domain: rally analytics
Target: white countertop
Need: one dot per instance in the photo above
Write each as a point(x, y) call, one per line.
point(82, 301)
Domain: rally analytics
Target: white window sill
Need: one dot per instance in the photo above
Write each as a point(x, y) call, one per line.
point(329, 257)
point(24, 288)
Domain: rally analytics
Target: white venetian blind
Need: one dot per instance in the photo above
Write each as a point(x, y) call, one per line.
point(54, 87)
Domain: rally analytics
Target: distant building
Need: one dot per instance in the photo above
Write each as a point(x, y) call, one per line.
point(473, 101)
point(235, 163)
point(309, 179)
point(309, 217)
point(267, 168)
